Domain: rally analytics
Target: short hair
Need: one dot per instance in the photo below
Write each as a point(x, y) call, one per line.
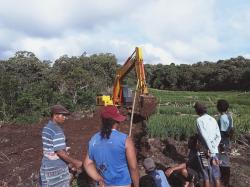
point(147, 181)
point(200, 108)
point(222, 105)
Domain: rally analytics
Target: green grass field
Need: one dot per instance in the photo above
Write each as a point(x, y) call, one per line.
point(175, 115)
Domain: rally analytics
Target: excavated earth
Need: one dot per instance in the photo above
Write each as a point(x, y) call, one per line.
point(21, 149)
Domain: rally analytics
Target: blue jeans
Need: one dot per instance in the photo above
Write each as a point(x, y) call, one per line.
point(54, 176)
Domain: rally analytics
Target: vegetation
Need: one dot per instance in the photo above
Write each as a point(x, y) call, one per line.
point(29, 86)
point(176, 117)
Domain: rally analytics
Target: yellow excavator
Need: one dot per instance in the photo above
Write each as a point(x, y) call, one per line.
point(145, 103)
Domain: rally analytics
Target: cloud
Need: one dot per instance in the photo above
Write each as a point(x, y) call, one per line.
point(168, 31)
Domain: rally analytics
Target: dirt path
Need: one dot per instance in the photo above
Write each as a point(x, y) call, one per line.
point(21, 153)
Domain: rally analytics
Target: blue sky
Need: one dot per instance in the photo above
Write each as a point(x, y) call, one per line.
point(178, 31)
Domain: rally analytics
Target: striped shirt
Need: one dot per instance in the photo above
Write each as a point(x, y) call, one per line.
point(53, 140)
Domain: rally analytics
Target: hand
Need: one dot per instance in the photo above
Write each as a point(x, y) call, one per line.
point(215, 162)
point(101, 184)
point(77, 164)
point(169, 171)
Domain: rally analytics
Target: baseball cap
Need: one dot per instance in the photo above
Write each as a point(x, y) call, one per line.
point(59, 109)
point(149, 164)
point(112, 112)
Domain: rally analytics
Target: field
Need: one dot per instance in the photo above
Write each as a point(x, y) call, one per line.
point(162, 137)
point(175, 115)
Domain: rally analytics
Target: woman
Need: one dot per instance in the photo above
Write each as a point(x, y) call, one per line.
point(111, 158)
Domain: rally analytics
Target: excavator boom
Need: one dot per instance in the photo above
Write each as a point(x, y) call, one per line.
point(146, 103)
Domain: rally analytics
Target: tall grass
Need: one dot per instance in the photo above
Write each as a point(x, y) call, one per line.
point(175, 115)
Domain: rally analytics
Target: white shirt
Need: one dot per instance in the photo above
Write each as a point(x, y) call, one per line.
point(210, 132)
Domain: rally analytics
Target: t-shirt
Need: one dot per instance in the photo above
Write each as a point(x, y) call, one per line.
point(209, 131)
point(109, 156)
point(159, 178)
point(226, 122)
point(53, 140)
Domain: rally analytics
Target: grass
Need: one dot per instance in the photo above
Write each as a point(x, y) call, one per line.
point(175, 115)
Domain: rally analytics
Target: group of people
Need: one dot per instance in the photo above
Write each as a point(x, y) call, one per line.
point(111, 155)
point(209, 149)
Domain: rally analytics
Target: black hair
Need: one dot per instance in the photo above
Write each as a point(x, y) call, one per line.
point(200, 108)
point(192, 142)
point(147, 181)
point(176, 179)
point(107, 124)
point(222, 105)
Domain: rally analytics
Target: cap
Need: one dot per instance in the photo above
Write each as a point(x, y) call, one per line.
point(112, 112)
point(59, 109)
point(149, 164)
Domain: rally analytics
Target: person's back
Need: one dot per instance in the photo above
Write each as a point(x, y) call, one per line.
point(209, 132)
point(159, 178)
point(110, 157)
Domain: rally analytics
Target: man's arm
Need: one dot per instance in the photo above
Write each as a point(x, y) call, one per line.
point(90, 168)
point(169, 171)
point(132, 162)
point(64, 155)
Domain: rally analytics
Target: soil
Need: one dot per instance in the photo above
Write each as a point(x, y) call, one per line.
point(21, 149)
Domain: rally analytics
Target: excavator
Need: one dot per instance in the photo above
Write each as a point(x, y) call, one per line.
point(145, 103)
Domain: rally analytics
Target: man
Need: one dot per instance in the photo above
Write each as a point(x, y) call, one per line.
point(158, 175)
point(191, 169)
point(226, 129)
point(209, 136)
point(54, 170)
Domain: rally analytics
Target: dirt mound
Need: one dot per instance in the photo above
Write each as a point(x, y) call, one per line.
point(21, 149)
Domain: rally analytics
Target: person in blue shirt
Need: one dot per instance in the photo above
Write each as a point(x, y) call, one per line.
point(225, 122)
point(158, 175)
point(54, 169)
point(111, 156)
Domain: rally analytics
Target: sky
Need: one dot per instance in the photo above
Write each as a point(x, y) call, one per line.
point(168, 31)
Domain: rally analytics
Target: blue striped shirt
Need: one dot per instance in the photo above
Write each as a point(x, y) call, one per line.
point(53, 140)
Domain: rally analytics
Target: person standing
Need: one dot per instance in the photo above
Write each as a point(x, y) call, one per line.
point(111, 156)
point(209, 138)
point(54, 170)
point(226, 128)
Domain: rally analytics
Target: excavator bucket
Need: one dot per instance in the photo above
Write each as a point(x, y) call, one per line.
point(147, 105)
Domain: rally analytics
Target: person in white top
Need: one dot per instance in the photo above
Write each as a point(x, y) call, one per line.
point(209, 136)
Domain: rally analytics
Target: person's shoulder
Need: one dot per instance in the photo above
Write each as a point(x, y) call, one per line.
point(223, 117)
point(119, 133)
point(95, 136)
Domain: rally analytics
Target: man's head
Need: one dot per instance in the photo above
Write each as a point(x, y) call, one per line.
point(200, 108)
point(59, 113)
point(222, 105)
point(149, 164)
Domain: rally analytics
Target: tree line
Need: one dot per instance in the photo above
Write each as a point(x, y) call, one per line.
point(29, 86)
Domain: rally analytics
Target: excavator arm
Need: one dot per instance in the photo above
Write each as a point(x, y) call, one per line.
point(134, 61)
point(146, 103)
